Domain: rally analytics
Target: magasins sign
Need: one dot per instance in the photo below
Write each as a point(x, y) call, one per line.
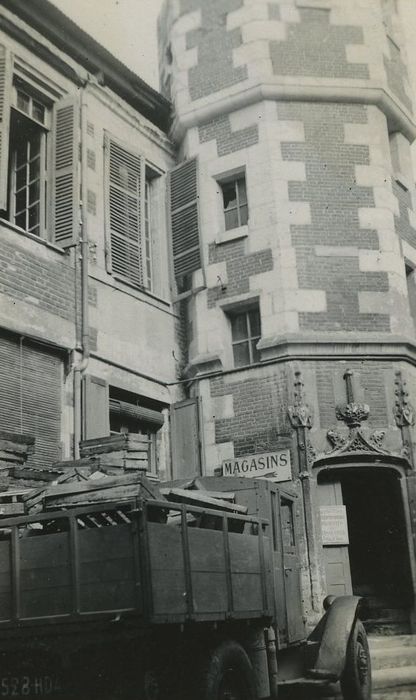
point(274, 465)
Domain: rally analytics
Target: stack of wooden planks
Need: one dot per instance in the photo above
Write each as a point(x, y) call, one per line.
point(15, 449)
point(99, 488)
point(126, 451)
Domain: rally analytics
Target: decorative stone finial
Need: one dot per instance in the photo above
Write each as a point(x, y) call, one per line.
point(403, 410)
point(300, 414)
point(352, 413)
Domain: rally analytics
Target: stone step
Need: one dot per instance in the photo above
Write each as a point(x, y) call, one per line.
point(403, 693)
point(393, 656)
point(394, 677)
point(401, 640)
point(386, 627)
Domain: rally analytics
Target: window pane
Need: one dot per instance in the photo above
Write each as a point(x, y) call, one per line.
point(34, 191)
point(242, 193)
point(243, 215)
point(241, 354)
point(20, 177)
point(254, 318)
point(20, 201)
point(239, 327)
point(229, 195)
point(38, 111)
point(231, 219)
point(20, 220)
point(23, 101)
point(34, 146)
point(33, 216)
point(21, 153)
point(254, 352)
point(34, 169)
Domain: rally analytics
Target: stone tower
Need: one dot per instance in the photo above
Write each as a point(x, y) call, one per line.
point(296, 117)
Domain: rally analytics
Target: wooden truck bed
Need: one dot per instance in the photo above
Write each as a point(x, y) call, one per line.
point(158, 561)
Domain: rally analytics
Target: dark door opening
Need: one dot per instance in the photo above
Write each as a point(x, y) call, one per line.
point(378, 550)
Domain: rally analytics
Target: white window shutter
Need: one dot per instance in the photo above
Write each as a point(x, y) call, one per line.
point(6, 74)
point(95, 408)
point(65, 199)
point(185, 438)
point(125, 181)
point(184, 218)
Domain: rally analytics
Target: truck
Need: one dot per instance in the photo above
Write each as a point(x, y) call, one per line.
point(170, 598)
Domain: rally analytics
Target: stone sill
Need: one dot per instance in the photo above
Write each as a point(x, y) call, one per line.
point(233, 234)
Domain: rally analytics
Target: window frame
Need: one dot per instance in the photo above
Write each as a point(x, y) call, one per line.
point(251, 339)
point(234, 178)
point(44, 129)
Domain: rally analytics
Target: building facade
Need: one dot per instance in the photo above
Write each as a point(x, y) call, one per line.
point(88, 339)
point(236, 281)
point(294, 252)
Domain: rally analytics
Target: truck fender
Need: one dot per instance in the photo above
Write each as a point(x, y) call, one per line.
point(332, 634)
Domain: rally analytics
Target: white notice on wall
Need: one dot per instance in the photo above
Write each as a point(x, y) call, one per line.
point(334, 525)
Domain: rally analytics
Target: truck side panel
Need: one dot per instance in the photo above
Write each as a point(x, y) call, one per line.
point(58, 566)
point(225, 576)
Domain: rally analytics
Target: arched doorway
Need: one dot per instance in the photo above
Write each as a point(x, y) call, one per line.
point(373, 560)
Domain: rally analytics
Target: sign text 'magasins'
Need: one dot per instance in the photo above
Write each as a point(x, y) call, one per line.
point(274, 465)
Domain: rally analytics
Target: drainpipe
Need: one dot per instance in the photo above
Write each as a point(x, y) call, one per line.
point(81, 366)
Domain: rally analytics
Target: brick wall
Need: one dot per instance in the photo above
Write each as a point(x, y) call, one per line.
point(373, 384)
point(260, 399)
point(214, 43)
point(240, 267)
point(334, 198)
point(228, 141)
point(260, 410)
point(47, 284)
point(314, 47)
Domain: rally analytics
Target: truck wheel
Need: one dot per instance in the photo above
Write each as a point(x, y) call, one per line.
point(356, 677)
point(227, 674)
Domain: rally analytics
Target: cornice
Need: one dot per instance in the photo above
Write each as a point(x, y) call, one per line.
point(398, 117)
point(336, 347)
point(298, 349)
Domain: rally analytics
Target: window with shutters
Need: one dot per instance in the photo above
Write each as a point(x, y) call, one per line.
point(130, 182)
point(29, 140)
point(39, 154)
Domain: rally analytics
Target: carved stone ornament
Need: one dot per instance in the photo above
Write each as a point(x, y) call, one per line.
point(353, 414)
point(403, 409)
point(356, 442)
point(300, 414)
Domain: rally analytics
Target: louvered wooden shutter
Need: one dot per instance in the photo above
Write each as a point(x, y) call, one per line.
point(184, 219)
point(5, 98)
point(66, 171)
point(125, 173)
point(186, 459)
point(31, 380)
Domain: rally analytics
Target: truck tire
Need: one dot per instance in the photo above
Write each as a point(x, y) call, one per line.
point(226, 674)
point(356, 677)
